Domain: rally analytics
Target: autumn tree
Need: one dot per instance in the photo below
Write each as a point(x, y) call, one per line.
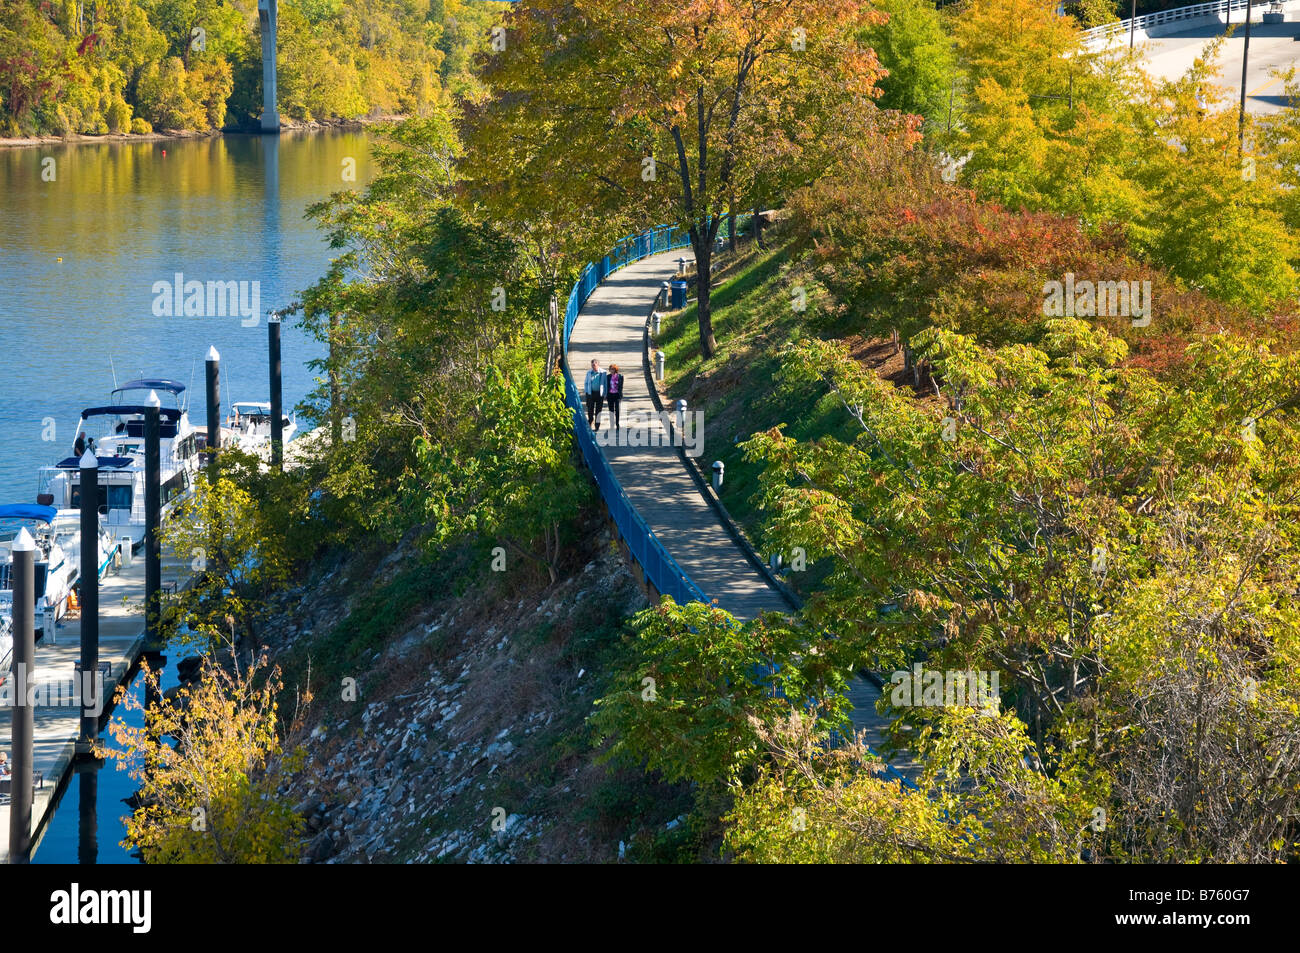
point(1052, 125)
point(977, 799)
point(668, 106)
point(1115, 546)
point(210, 762)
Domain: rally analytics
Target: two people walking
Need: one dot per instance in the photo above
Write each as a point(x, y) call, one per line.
point(600, 387)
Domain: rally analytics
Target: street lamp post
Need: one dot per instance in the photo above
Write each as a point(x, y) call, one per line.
point(1245, 58)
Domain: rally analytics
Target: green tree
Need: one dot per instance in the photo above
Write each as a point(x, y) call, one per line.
point(514, 480)
point(913, 46)
point(700, 686)
point(225, 536)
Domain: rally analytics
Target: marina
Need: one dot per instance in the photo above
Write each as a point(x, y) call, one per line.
point(126, 476)
point(79, 308)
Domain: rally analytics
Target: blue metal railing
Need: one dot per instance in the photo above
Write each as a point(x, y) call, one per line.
point(655, 561)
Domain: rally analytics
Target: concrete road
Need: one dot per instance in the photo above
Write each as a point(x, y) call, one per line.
point(1273, 46)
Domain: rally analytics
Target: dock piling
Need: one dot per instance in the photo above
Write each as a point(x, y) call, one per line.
point(22, 724)
point(212, 366)
point(277, 395)
point(152, 519)
point(89, 594)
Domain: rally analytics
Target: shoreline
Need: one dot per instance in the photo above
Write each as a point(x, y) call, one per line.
point(80, 139)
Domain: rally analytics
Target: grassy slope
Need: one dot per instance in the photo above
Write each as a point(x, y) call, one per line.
point(737, 389)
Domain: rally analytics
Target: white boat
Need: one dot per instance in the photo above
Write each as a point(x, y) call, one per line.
point(6, 648)
point(248, 428)
point(115, 433)
point(57, 534)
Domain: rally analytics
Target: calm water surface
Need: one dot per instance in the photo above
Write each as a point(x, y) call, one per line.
point(123, 216)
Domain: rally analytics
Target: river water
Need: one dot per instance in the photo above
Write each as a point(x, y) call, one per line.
point(87, 233)
point(84, 241)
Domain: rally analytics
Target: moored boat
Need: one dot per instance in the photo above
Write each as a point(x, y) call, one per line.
point(57, 534)
point(248, 427)
point(115, 434)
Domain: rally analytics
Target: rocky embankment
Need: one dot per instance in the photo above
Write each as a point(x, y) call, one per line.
point(465, 739)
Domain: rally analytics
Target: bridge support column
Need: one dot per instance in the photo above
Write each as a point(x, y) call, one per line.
point(267, 11)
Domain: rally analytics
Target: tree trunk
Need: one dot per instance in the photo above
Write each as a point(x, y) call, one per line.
point(731, 224)
point(554, 335)
point(704, 275)
point(758, 229)
point(336, 419)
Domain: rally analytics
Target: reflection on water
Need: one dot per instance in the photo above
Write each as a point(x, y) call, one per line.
point(122, 216)
point(89, 819)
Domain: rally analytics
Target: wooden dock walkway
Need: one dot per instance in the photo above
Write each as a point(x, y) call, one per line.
point(611, 328)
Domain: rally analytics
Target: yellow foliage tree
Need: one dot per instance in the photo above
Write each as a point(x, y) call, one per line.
point(211, 798)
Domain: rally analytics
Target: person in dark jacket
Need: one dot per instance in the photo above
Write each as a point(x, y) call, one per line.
point(613, 391)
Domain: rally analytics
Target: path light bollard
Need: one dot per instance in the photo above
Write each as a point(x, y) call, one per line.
point(681, 419)
point(719, 468)
point(655, 316)
point(212, 366)
point(152, 516)
point(659, 365)
point(22, 573)
point(681, 266)
point(664, 292)
point(89, 594)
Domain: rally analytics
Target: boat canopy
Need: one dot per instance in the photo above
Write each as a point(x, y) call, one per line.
point(152, 383)
point(27, 511)
point(105, 463)
point(118, 410)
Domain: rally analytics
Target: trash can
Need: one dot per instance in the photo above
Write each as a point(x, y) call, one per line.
point(679, 295)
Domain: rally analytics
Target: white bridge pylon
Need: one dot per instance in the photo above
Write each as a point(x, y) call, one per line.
point(266, 16)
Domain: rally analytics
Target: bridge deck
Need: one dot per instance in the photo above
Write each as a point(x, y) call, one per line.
point(611, 329)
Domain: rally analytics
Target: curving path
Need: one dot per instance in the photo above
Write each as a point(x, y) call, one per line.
point(611, 328)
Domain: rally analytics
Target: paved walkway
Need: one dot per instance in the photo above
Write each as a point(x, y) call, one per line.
point(611, 328)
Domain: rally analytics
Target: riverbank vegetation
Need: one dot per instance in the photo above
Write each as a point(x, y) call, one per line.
point(1088, 496)
point(132, 66)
